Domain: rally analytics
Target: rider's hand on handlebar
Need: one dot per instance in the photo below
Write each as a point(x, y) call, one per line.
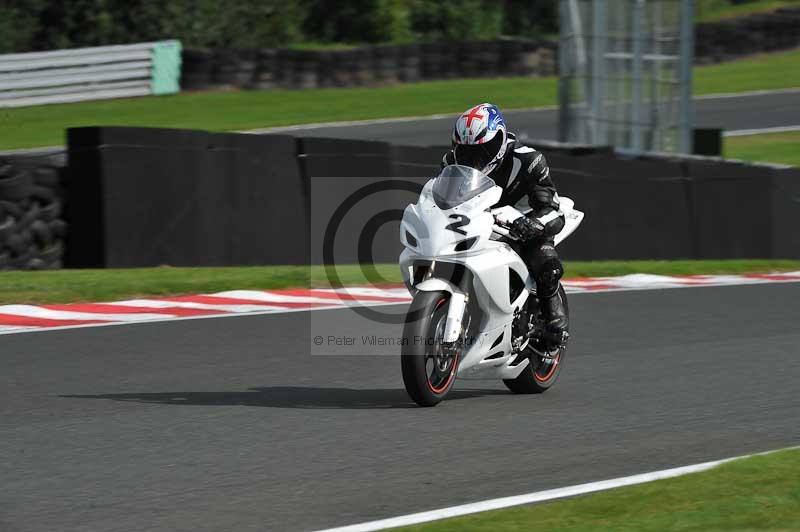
point(524, 228)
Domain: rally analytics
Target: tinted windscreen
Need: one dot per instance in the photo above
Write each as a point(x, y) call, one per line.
point(457, 184)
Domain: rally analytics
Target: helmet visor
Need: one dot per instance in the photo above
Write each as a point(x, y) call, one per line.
point(478, 156)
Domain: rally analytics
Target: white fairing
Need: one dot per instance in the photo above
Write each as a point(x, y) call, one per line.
point(426, 222)
point(431, 230)
point(572, 219)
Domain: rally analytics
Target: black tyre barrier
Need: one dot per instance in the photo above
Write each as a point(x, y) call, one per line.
point(367, 65)
point(22, 262)
point(267, 68)
point(6, 169)
point(36, 264)
point(34, 257)
point(59, 228)
point(50, 211)
point(47, 176)
point(43, 194)
point(31, 230)
point(6, 228)
point(11, 209)
point(42, 233)
point(30, 216)
point(53, 252)
point(226, 67)
point(15, 185)
point(19, 242)
point(196, 70)
point(761, 32)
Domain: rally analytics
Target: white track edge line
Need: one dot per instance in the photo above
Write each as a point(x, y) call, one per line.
point(760, 131)
point(440, 116)
point(758, 92)
point(538, 496)
point(378, 121)
point(580, 291)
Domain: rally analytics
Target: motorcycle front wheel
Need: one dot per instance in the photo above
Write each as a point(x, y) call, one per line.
point(429, 367)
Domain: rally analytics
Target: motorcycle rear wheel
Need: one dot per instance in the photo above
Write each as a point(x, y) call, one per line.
point(541, 373)
point(428, 370)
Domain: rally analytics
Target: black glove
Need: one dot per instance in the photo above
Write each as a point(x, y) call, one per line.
point(524, 229)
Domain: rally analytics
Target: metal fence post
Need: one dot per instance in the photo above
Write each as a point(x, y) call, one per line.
point(636, 111)
point(599, 71)
point(564, 76)
point(687, 58)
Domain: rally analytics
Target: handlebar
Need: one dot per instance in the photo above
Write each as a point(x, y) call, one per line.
point(500, 230)
point(503, 216)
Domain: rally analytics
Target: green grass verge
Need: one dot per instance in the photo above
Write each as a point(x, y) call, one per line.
point(66, 286)
point(677, 267)
point(757, 493)
point(238, 110)
point(750, 74)
point(783, 148)
point(712, 10)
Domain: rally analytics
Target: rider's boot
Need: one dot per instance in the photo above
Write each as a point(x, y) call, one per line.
point(555, 319)
point(551, 304)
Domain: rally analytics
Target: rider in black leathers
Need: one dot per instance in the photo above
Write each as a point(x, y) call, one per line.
point(523, 174)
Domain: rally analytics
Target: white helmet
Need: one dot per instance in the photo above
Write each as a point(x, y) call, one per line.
point(479, 137)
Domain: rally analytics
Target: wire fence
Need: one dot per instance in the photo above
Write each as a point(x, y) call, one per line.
point(625, 68)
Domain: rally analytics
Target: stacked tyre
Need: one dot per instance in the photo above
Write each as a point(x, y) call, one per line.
point(197, 69)
point(32, 230)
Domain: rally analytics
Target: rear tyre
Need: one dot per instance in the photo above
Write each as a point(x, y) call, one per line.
point(429, 368)
point(541, 373)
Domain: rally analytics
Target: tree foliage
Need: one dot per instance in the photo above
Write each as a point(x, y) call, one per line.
point(45, 25)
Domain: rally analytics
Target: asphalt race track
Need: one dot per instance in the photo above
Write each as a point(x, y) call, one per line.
point(729, 113)
point(230, 424)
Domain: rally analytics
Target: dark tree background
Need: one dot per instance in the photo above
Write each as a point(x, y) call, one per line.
point(27, 25)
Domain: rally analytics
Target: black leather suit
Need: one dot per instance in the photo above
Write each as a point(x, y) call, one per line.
point(525, 178)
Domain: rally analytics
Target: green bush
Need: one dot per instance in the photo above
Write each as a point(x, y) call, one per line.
point(44, 25)
point(41, 25)
point(239, 24)
point(369, 21)
point(464, 20)
point(19, 22)
point(531, 19)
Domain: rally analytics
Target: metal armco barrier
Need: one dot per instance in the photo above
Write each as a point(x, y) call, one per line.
point(63, 76)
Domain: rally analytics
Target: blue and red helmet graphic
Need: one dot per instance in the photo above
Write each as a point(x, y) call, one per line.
point(479, 124)
point(480, 137)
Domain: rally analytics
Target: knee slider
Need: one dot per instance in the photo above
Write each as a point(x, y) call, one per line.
point(548, 276)
point(552, 270)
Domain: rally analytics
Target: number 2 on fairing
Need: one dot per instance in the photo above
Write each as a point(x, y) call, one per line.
point(461, 221)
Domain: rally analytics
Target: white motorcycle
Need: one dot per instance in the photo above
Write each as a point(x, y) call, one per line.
point(475, 311)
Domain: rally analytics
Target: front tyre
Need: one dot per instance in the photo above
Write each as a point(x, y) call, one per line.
point(429, 367)
point(541, 373)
